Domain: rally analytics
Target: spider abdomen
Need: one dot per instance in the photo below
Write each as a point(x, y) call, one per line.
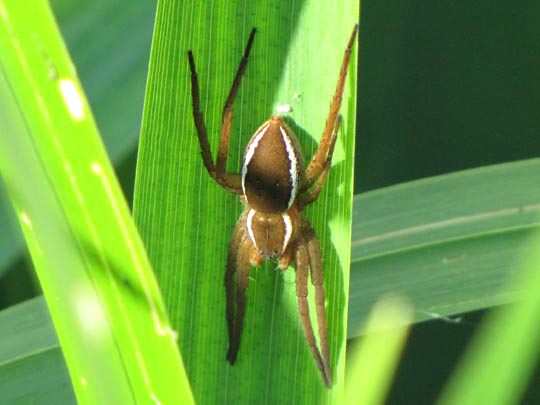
point(272, 167)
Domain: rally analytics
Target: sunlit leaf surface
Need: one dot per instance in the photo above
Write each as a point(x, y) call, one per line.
point(186, 219)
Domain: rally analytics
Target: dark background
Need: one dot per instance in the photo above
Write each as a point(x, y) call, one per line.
point(443, 86)
point(446, 86)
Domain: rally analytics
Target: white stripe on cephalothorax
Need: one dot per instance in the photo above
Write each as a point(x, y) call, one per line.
point(250, 151)
point(250, 216)
point(288, 230)
point(293, 161)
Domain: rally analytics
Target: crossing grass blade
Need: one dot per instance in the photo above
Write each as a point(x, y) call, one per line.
point(449, 243)
point(32, 367)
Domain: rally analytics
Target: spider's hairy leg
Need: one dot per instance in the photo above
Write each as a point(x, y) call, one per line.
point(302, 265)
point(199, 119)
point(230, 181)
point(308, 196)
point(238, 263)
point(230, 273)
point(285, 259)
point(316, 166)
point(316, 270)
point(227, 116)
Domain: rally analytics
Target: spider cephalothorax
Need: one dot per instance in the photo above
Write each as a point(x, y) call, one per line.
point(275, 187)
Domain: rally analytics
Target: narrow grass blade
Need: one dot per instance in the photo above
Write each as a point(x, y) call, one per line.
point(112, 64)
point(448, 243)
point(187, 220)
point(376, 356)
point(92, 267)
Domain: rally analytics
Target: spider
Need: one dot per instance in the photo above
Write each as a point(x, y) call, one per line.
point(274, 187)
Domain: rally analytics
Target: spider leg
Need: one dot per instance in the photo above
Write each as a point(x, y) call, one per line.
point(230, 181)
point(227, 116)
point(238, 263)
point(199, 119)
point(318, 162)
point(308, 197)
point(230, 275)
point(302, 265)
point(316, 269)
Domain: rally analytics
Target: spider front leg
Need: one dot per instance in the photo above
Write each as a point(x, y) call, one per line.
point(325, 150)
point(308, 196)
point(303, 262)
point(230, 181)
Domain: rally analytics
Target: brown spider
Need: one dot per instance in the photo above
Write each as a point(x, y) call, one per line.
point(275, 188)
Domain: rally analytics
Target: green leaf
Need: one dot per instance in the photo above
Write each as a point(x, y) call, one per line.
point(10, 237)
point(32, 368)
point(374, 360)
point(187, 220)
point(504, 353)
point(91, 264)
point(112, 64)
point(449, 244)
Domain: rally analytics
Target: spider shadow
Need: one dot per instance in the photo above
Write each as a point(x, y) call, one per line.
point(336, 327)
point(103, 267)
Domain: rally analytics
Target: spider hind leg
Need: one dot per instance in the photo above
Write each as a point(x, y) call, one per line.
point(236, 283)
point(316, 271)
point(304, 261)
